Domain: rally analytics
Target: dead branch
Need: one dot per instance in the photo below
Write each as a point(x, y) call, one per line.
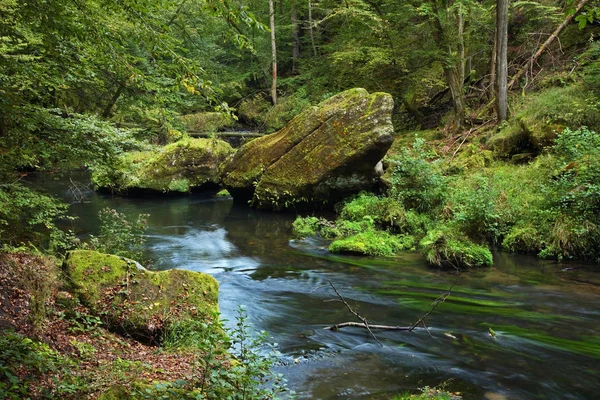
point(363, 321)
point(370, 327)
point(547, 43)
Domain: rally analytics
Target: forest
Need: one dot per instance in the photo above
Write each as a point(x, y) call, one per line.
point(456, 131)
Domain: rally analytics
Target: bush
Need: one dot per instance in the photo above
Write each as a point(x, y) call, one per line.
point(445, 247)
point(415, 182)
point(305, 226)
point(119, 236)
point(29, 218)
point(23, 364)
point(386, 212)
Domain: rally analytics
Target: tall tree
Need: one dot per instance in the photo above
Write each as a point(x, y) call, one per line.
point(273, 52)
point(501, 60)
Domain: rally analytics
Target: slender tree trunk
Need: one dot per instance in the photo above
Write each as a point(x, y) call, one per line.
point(460, 62)
point(492, 86)
point(113, 100)
point(502, 61)
point(547, 43)
point(274, 52)
point(295, 40)
point(456, 91)
point(310, 27)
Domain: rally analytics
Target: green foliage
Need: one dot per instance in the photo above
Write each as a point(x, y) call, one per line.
point(29, 218)
point(305, 226)
point(244, 373)
point(374, 243)
point(445, 247)
point(119, 236)
point(474, 208)
point(207, 121)
point(416, 182)
point(428, 393)
point(23, 364)
point(258, 111)
point(386, 212)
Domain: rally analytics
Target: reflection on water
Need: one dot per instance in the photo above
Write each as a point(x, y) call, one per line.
point(544, 315)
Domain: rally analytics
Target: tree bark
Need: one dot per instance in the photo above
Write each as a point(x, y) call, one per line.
point(502, 60)
point(310, 28)
point(274, 53)
point(295, 40)
point(492, 84)
point(113, 100)
point(547, 43)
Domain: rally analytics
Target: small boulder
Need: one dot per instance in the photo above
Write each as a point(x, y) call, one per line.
point(139, 303)
point(180, 167)
point(323, 155)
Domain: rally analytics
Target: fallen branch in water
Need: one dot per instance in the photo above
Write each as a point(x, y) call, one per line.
point(364, 323)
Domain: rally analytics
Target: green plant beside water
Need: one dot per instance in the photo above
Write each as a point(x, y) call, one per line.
point(120, 236)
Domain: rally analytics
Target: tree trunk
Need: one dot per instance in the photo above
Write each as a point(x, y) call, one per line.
point(113, 100)
point(547, 43)
point(492, 85)
point(274, 52)
point(501, 60)
point(295, 40)
point(310, 27)
point(456, 91)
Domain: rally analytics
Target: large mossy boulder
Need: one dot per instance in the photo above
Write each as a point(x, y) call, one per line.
point(323, 155)
point(180, 167)
point(139, 303)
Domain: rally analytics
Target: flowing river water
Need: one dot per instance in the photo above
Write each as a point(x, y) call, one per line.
point(524, 329)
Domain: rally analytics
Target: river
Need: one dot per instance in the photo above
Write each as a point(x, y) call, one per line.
point(524, 329)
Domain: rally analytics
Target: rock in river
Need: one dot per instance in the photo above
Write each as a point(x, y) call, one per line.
point(142, 304)
point(323, 155)
point(180, 167)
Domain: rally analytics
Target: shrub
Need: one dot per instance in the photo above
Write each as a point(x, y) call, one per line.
point(417, 183)
point(444, 247)
point(305, 226)
point(29, 218)
point(23, 364)
point(386, 212)
point(119, 236)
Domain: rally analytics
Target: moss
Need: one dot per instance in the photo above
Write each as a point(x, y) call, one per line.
point(179, 167)
point(223, 193)
point(305, 226)
point(141, 303)
point(375, 243)
point(446, 248)
point(472, 158)
point(322, 155)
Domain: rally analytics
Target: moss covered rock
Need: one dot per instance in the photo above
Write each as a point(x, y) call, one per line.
point(374, 243)
point(320, 157)
point(180, 167)
point(142, 304)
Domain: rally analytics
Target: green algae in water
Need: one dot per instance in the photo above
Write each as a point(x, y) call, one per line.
point(443, 287)
point(451, 299)
point(587, 345)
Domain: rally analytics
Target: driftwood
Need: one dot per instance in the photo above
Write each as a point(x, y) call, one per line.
point(364, 323)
